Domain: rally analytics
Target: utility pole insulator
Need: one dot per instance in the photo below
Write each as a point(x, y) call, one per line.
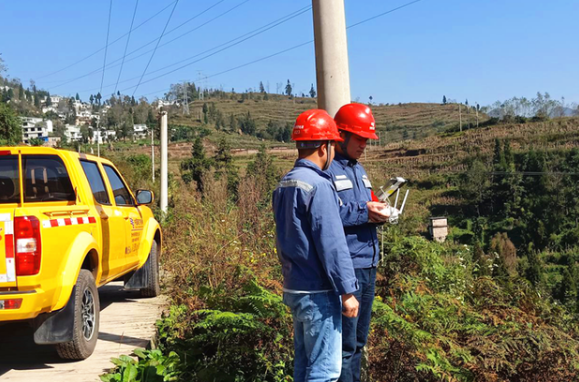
point(332, 69)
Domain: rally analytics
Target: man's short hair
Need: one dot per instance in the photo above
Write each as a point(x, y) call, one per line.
point(309, 144)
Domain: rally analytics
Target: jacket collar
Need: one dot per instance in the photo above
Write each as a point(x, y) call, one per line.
point(312, 166)
point(345, 161)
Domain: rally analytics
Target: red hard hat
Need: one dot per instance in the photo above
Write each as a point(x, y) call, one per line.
point(315, 125)
point(357, 119)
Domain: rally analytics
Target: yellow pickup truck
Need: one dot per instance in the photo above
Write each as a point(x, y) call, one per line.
point(69, 224)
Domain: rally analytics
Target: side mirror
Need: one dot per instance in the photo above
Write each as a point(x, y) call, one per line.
point(144, 197)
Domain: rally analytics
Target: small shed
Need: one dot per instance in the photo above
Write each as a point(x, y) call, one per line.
point(438, 229)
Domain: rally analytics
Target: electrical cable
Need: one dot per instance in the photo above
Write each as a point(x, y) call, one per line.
point(107, 44)
point(295, 46)
point(219, 51)
point(126, 45)
point(251, 34)
point(119, 38)
point(155, 40)
point(158, 41)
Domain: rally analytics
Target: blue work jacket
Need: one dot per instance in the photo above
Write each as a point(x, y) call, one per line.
point(355, 190)
point(310, 239)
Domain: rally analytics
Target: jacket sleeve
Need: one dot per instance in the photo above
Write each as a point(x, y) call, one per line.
point(353, 213)
point(329, 239)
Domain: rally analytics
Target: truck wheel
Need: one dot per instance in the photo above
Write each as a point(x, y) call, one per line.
point(151, 269)
point(86, 319)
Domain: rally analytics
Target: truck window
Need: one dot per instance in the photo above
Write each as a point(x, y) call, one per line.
point(9, 188)
point(95, 179)
point(120, 191)
point(46, 179)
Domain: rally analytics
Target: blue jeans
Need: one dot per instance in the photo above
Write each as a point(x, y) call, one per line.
point(317, 335)
point(355, 330)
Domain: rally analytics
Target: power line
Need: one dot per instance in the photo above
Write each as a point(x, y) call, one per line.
point(298, 45)
point(155, 50)
point(107, 44)
point(251, 34)
point(101, 49)
point(383, 14)
point(126, 45)
point(155, 40)
point(221, 50)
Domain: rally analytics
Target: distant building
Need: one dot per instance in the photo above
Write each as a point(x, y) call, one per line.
point(140, 131)
point(102, 136)
point(35, 128)
point(72, 133)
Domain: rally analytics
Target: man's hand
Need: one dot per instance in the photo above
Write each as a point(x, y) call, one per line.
point(349, 305)
point(374, 214)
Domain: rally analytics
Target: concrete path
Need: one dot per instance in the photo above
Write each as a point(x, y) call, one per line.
point(126, 322)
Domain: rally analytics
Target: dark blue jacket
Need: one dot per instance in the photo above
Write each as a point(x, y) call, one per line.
point(355, 190)
point(310, 238)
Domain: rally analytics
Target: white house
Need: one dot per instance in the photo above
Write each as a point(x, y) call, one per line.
point(72, 132)
point(102, 136)
point(140, 131)
point(35, 128)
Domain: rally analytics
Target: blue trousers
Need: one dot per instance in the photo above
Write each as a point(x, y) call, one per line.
point(355, 330)
point(317, 335)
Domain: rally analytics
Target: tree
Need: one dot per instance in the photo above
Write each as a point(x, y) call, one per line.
point(10, 130)
point(288, 88)
point(247, 124)
point(2, 65)
point(474, 185)
point(195, 168)
point(205, 110)
point(261, 87)
point(313, 92)
point(35, 142)
point(48, 100)
point(371, 99)
point(232, 123)
point(224, 166)
point(91, 99)
point(444, 100)
point(77, 97)
point(466, 102)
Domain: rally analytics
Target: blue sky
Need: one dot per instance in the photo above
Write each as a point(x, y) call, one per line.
point(482, 51)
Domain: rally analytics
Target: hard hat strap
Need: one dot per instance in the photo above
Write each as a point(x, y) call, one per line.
point(328, 157)
point(344, 145)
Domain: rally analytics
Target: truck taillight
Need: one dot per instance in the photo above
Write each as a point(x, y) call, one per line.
point(28, 245)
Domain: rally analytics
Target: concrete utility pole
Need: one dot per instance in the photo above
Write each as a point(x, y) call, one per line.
point(164, 162)
point(460, 116)
point(332, 70)
point(153, 153)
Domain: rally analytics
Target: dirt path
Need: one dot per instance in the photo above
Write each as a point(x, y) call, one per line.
point(126, 322)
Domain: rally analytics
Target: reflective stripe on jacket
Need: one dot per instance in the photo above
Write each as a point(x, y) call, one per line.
point(310, 238)
point(355, 190)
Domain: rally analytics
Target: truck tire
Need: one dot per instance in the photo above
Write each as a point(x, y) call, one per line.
point(151, 269)
point(86, 319)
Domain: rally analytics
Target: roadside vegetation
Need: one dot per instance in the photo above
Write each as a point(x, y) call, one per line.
point(472, 309)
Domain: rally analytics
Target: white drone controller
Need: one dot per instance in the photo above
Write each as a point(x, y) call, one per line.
point(393, 213)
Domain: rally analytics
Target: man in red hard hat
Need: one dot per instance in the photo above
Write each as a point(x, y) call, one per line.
point(360, 215)
point(319, 279)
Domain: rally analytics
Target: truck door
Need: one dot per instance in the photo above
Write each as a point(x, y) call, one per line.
point(128, 209)
point(112, 222)
point(9, 199)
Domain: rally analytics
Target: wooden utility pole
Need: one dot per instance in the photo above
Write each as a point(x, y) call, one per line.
point(476, 108)
point(332, 69)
